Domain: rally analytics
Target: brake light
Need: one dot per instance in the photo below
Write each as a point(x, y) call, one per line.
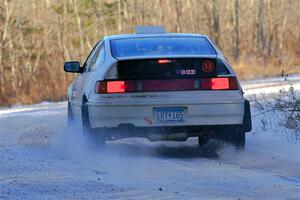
point(115, 87)
point(103, 87)
point(164, 61)
point(219, 84)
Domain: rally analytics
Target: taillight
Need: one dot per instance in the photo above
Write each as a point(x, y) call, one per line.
point(219, 84)
point(233, 83)
point(103, 87)
point(129, 86)
point(115, 87)
point(100, 87)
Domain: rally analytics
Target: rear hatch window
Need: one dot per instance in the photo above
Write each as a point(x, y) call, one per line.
point(161, 46)
point(171, 68)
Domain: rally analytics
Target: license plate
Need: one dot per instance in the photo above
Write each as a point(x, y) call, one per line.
point(169, 115)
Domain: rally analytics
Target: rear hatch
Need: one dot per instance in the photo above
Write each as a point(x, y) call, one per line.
point(170, 90)
point(170, 79)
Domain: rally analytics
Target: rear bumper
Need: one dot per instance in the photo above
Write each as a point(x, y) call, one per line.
point(204, 114)
point(173, 133)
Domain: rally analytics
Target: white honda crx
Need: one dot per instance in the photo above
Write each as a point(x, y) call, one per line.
point(160, 86)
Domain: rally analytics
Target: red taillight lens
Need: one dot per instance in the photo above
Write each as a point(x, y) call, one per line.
point(233, 83)
point(115, 87)
point(100, 87)
point(103, 87)
point(219, 84)
point(128, 86)
point(168, 85)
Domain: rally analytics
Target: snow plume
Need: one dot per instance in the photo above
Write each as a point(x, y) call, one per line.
point(71, 144)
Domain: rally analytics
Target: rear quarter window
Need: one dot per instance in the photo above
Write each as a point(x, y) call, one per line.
point(98, 59)
point(222, 68)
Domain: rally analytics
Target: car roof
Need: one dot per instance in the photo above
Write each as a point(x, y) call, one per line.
point(138, 35)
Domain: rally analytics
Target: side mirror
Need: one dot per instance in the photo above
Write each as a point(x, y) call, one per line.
point(72, 66)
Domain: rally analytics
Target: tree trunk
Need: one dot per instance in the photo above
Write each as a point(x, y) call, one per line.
point(260, 29)
point(283, 25)
point(119, 14)
point(236, 41)
point(79, 25)
point(215, 22)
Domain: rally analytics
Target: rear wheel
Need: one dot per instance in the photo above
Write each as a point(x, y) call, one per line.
point(202, 140)
point(234, 136)
point(91, 135)
point(209, 145)
point(70, 118)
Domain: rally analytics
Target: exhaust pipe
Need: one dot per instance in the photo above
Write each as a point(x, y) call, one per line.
point(168, 137)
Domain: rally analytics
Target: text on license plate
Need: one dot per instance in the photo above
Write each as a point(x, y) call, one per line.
point(169, 115)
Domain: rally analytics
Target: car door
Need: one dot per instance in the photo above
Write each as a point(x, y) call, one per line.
point(79, 85)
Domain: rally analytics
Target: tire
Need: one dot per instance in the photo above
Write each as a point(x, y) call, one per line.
point(70, 118)
point(247, 122)
point(209, 145)
point(92, 136)
point(202, 140)
point(234, 136)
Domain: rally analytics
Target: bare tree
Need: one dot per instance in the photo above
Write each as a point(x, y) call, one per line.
point(36, 37)
point(79, 24)
point(236, 40)
point(215, 22)
point(260, 26)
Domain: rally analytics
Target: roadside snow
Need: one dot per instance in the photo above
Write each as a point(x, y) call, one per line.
point(35, 108)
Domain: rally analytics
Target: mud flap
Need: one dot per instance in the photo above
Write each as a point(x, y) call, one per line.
point(247, 124)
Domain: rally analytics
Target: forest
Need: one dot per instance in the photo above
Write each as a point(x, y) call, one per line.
point(260, 38)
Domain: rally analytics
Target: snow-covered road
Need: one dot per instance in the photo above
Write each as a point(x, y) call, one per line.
point(40, 159)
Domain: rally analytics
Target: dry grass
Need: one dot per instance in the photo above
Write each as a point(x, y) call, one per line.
point(252, 68)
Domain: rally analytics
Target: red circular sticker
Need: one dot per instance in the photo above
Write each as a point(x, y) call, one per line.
point(208, 66)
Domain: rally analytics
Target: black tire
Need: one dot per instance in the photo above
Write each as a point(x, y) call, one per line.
point(202, 140)
point(91, 135)
point(247, 123)
point(234, 136)
point(209, 145)
point(70, 118)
